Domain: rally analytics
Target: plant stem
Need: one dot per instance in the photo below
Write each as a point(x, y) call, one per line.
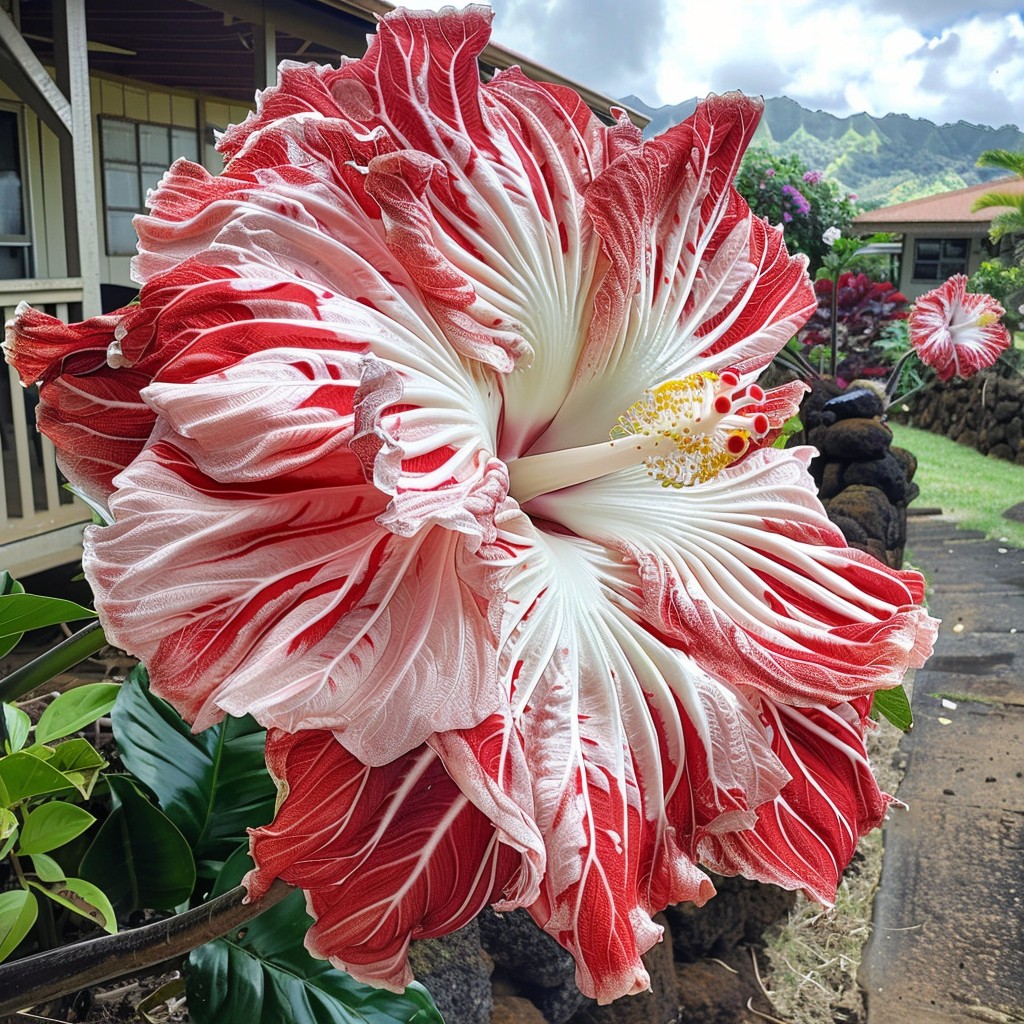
point(65, 655)
point(45, 976)
point(834, 326)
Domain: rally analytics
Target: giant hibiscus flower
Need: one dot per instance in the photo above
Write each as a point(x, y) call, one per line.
point(434, 443)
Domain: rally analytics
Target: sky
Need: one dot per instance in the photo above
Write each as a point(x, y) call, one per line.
point(944, 60)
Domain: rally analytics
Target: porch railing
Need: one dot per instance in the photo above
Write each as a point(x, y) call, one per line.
point(40, 522)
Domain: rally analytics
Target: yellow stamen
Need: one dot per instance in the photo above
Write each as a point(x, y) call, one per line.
point(685, 432)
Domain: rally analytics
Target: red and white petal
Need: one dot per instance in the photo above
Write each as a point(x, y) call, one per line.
point(285, 599)
point(805, 837)
point(694, 282)
point(746, 574)
point(92, 413)
point(955, 332)
point(630, 748)
point(385, 854)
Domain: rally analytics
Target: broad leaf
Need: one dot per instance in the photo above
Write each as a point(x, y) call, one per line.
point(18, 912)
point(80, 762)
point(20, 612)
point(139, 858)
point(17, 725)
point(51, 825)
point(46, 868)
point(213, 785)
point(23, 775)
point(894, 706)
point(75, 709)
point(8, 831)
point(82, 897)
point(262, 974)
point(9, 585)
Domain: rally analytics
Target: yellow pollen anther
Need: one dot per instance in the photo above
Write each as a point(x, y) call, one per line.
point(684, 431)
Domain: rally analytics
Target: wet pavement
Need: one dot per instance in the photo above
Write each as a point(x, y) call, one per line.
point(948, 933)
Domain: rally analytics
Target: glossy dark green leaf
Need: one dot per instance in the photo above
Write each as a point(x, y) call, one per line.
point(212, 785)
point(74, 709)
point(139, 858)
point(262, 974)
point(893, 706)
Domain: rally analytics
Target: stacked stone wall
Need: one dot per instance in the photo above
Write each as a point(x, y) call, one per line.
point(985, 412)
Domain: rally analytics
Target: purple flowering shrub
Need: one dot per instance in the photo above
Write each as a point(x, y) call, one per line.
point(804, 202)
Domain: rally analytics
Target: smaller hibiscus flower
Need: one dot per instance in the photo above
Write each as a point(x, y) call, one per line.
point(957, 333)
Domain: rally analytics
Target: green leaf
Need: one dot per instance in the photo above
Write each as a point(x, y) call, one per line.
point(74, 709)
point(23, 775)
point(18, 912)
point(80, 762)
point(83, 898)
point(22, 612)
point(212, 785)
point(17, 725)
point(8, 831)
point(46, 868)
point(894, 706)
point(9, 585)
point(139, 858)
point(51, 825)
point(262, 974)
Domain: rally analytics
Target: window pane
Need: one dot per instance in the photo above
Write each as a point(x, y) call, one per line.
point(119, 141)
point(154, 144)
point(122, 186)
point(151, 175)
point(12, 219)
point(929, 248)
point(955, 248)
point(12, 262)
point(121, 237)
point(185, 142)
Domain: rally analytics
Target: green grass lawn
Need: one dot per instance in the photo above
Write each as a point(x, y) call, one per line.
point(965, 484)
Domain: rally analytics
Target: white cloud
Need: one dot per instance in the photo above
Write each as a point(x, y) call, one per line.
point(941, 59)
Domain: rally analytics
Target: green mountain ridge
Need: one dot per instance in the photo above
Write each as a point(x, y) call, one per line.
point(882, 160)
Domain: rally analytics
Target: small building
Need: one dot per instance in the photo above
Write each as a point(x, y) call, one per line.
point(941, 234)
point(97, 98)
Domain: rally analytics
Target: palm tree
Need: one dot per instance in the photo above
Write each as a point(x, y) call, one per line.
point(1012, 221)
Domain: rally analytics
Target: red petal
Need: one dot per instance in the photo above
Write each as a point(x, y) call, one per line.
point(385, 854)
point(805, 838)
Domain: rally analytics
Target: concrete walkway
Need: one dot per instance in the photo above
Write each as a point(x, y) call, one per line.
point(948, 935)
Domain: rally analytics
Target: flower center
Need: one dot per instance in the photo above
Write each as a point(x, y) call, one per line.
point(684, 431)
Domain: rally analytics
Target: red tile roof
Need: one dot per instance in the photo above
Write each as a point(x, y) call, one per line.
point(945, 211)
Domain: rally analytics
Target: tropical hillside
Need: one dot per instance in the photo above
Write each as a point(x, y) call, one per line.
point(883, 160)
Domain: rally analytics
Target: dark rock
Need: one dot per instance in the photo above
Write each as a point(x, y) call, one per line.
point(519, 946)
point(814, 401)
point(856, 439)
point(908, 460)
point(710, 993)
point(456, 974)
point(855, 534)
point(1001, 451)
point(659, 1005)
point(886, 474)
point(560, 1002)
point(855, 403)
point(869, 507)
point(515, 1010)
point(831, 482)
point(740, 912)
